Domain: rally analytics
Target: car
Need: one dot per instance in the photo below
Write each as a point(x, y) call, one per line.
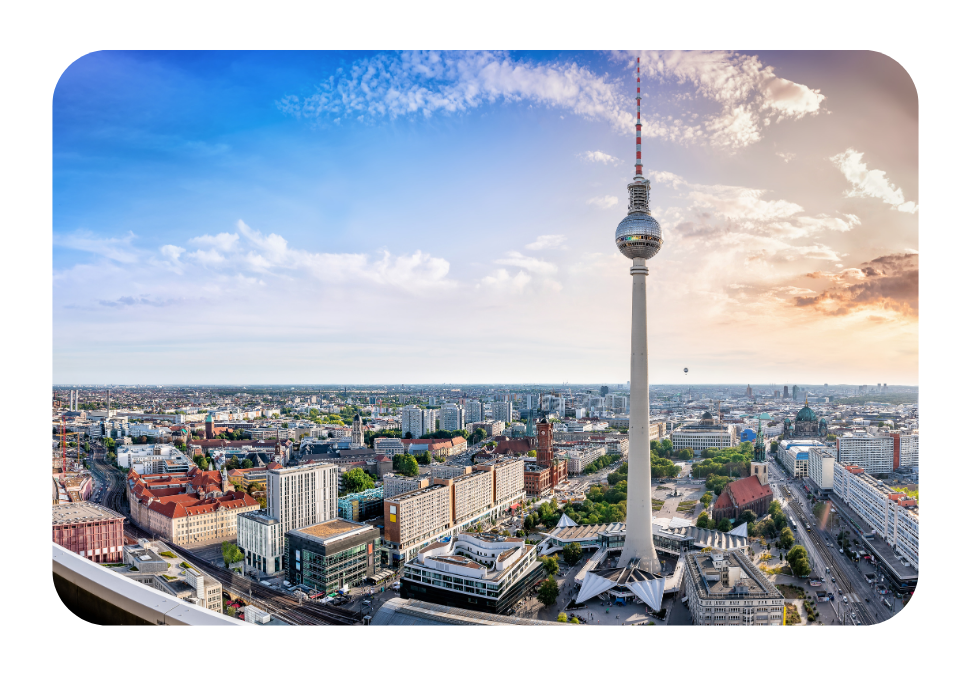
point(845, 600)
point(833, 579)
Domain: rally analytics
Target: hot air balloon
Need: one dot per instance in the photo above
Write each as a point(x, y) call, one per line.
point(685, 371)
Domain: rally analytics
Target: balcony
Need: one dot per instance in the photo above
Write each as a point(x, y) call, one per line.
point(100, 596)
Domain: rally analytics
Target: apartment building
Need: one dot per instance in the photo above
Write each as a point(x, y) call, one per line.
point(502, 411)
point(473, 412)
point(822, 461)
point(726, 589)
point(449, 505)
point(452, 417)
point(875, 454)
point(396, 484)
point(472, 493)
point(891, 515)
point(417, 421)
point(905, 450)
point(578, 458)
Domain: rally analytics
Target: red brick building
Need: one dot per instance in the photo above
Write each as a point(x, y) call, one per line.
point(548, 471)
point(742, 495)
point(90, 530)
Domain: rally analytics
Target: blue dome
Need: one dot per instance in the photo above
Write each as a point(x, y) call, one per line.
point(748, 435)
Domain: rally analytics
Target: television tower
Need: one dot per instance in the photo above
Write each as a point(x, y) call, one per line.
point(639, 238)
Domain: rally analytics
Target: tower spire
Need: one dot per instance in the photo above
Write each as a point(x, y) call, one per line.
point(638, 167)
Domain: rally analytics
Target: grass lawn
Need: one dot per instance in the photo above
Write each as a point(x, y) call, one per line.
point(166, 554)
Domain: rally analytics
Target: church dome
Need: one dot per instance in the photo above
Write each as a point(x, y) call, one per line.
point(806, 415)
point(706, 416)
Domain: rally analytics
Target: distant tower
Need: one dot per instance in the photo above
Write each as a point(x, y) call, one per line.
point(748, 391)
point(785, 391)
point(357, 432)
point(109, 405)
point(210, 431)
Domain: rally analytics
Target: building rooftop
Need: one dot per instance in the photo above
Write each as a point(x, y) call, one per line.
point(81, 512)
point(331, 528)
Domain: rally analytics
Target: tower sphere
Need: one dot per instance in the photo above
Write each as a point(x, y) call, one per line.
point(639, 236)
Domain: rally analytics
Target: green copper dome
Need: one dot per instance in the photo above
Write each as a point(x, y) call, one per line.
point(806, 415)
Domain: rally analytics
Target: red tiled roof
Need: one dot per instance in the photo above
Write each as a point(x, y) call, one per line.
point(748, 490)
point(724, 501)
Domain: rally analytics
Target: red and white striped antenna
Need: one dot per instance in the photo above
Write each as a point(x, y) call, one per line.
point(638, 169)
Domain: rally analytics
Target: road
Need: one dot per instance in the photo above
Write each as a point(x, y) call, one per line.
point(850, 581)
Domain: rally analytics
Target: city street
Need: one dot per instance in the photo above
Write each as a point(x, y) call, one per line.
point(863, 600)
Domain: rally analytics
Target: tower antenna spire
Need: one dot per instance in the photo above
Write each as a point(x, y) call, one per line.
point(638, 167)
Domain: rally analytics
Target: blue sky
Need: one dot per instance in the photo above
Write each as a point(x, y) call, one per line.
point(388, 217)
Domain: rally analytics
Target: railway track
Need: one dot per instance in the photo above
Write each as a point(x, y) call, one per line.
point(842, 580)
point(275, 602)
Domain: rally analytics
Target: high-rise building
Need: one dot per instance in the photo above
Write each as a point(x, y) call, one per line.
point(296, 497)
point(453, 417)
point(502, 411)
point(874, 454)
point(785, 391)
point(417, 421)
point(795, 392)
point(90, 530)
point(473, 412)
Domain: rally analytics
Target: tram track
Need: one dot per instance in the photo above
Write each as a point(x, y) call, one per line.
point(842, 580)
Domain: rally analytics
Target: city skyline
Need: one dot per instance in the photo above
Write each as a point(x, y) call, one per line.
point(220, 237)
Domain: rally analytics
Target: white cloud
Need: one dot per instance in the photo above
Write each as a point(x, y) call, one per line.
point(502, 281)
point(748, 92)
point(428, 82)
point(387, 86)
point(517, 259)
point(210, 257)
point(605, 202)
point(172, 252)
point(786, 156)
point(600, 157)
point(120, 250)
point(224, 241)
point(870, 183)
point(547, 241)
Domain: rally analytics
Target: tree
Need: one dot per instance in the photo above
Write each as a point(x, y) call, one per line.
point(408, 435)
point(572, 553)
point(786, 539)
point(561, 617)
point(232, 463)
point(707, 498)
point(575, 619)
point(478, 434)
point(425, 458)
point(724, 525)
point(357, 480)
point(405, 464)
point(231, 553)
point(747, 516)
point(686, 453)
point(531, 453)
point(717, 483)
point(832, 437)
point(550, 565)
point(247, 464)
point(799, 561)
point(703, 521)
point(548, 591)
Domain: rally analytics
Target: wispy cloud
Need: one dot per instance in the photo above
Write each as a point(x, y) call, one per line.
point(605, 202)
point(517, 259)
point(600, 157)
point(119, 249)
point(424, 83)
point(545, 241)
point(749, 93)
point(870, 183)
point(890, 283)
